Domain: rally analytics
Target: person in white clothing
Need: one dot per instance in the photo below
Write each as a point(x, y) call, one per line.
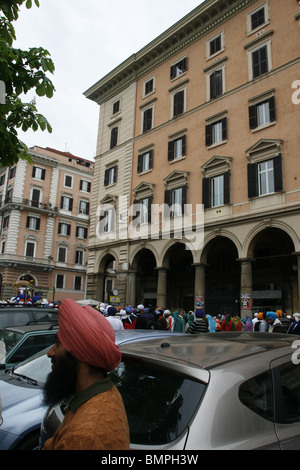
point(115, 322)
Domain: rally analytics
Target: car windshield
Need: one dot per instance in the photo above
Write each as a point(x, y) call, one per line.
point(159, 403)
point(36, 368)
point(8, 339)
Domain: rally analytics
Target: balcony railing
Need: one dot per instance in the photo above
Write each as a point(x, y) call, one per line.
point(27, 202)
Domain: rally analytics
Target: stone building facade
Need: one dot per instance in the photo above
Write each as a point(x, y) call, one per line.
point(204, 117)
point(44, 212)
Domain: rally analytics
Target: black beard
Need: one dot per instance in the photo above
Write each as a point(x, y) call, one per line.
point(61, 382)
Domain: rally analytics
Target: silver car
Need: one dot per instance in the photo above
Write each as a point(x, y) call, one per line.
point(210, 391)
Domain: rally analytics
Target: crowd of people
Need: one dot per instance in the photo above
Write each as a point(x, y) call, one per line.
point(198, 321)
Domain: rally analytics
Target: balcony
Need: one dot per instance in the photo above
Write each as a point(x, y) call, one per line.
point(21, 204)
point(9, 260)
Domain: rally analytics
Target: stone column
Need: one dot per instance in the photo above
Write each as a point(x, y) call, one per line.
point(199, 286)
point(298, 281)
point(131, 292)
point(246, 287)
point(162, 287)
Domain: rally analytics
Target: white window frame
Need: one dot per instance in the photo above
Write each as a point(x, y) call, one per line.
point(208, 42)
point(82, 208)
point(33, 242)
point(217, 190)
point(209, 71)
point(64, 280)
point(264, 5)
point(256, 45)
point(64, 228)
point(66, 253)
point(144, 87)
point(72, 180)
point(267, 174)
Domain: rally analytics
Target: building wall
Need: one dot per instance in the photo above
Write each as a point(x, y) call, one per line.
point(18, 204)
point(243, 219)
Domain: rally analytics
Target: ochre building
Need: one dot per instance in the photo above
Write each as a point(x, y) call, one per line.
point(202, 124)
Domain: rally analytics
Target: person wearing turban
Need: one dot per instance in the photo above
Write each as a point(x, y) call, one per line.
point(275, 325)
point(83, 355)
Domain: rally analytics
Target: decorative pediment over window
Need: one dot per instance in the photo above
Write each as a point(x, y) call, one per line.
point(143, 190)
point(109, 199)
point(216, 165)
point(264, 149)
point(176, 178)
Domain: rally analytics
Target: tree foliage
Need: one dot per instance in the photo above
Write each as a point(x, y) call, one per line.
point(20, 71)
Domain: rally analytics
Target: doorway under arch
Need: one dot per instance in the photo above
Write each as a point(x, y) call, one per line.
point(274, 270)
point(222, 277)
point(144, 265)
point(180, 278)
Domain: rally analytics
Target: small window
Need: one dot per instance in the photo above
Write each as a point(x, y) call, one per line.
point(107, 221)
point(175, 200)
point(5, 222)
point(265, 177)
point(84, 207)
point(262, 113)
point(60, 279)
point(258, 18)
point(81, 232)
point(64, 229)
point(215, 45)
point(62, 254)
point(33, 223)
point(216, 132)
point(147, 119)
point(178, 103)
point(30, 249)
point(110, 175)
point(145, 161)
point(85, 186)
point(114, 137)
point(79, 256)
point(260, 63)
point(149, 87)
point(216, 190)
point(179, 68)
point(68, 181)
point(66, 203)
point(257, 395)
point(12, 173)
point(216, 83)
point(116, 107)
point(38, 173)
point(177, 148)
point(77, 282)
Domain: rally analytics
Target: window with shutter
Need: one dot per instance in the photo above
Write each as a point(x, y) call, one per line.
point(178, 103)
point(147, 119)
point(262, 113)
point(114, 137)
point(177, 148)
point(179, 68)
point(216, 84)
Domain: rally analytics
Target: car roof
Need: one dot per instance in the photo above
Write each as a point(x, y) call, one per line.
point(31, 328)
point(207, 350)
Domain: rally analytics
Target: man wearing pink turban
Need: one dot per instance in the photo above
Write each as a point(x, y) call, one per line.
point(84, 353)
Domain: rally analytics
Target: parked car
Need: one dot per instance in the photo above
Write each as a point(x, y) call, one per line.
point(220, 391)
point(19, 343)
point(17, 316)
point(21, 392)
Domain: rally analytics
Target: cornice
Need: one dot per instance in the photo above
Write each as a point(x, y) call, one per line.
point(199, 22)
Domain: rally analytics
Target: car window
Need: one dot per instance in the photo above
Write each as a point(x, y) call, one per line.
point(287, 393)
point(8, 339)
point(31, 346)
point(159, 404)
point(13, 318)
point(45, 316)
point(37, 367)
point(257, 394)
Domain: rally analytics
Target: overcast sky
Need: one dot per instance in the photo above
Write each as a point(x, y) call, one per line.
point(87, 40)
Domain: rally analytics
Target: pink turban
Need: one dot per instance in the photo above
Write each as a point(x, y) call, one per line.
point(87, 335)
